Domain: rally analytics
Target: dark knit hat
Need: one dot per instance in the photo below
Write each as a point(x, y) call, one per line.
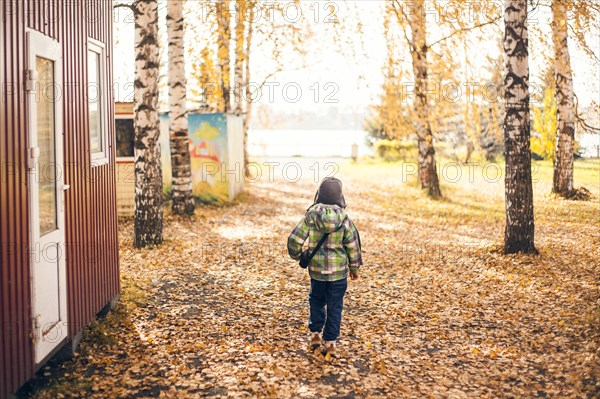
point(330, 193)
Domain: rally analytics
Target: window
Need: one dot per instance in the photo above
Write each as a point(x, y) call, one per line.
point(46, 138)
point(125, 134)
point(97, 106)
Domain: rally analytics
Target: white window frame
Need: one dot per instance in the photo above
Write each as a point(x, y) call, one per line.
point(124, 116)
point(101, 157)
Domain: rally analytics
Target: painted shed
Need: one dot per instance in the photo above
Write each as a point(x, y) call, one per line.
point(58, 220)
point(216, 156)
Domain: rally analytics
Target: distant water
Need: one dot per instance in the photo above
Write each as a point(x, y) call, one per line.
point(590, 144)
point(306, 143)
point(338, 143)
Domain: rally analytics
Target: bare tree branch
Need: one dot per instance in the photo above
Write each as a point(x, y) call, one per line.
point(395, 4)
point(581, 121)
point(280, 69)
point(583, 45)
point(456, 32)
point(123, 5)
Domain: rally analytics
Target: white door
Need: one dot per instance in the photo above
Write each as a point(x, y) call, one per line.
point(46, 198)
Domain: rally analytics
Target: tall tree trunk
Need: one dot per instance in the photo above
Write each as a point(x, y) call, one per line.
point(565, 135)
point(470, 148)
point(148, 172)
point(238, 71)
point(427, 167)
point(183, 199)
point(247, 95)
point(223, 52)
point(519, 233)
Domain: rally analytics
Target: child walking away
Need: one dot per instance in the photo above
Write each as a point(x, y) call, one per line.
point(339, 255)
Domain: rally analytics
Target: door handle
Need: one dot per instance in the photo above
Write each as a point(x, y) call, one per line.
point(33, 157)
point(65, 187)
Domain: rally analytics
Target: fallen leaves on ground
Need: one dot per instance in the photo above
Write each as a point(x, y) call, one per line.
point(219, 310)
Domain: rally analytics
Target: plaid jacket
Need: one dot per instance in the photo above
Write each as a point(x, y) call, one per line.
point(340, 251)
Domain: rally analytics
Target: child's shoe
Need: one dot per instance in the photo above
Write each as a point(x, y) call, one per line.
point(315, 340)
point(329, 348)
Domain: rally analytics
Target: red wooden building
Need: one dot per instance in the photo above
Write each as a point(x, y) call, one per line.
point(58, 221)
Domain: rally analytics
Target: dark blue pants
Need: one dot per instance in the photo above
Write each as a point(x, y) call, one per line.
point(328, 294)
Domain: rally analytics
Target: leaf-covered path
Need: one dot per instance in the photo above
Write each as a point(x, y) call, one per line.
point(219, 310)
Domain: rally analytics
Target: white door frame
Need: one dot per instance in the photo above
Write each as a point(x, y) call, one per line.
point(47, 251)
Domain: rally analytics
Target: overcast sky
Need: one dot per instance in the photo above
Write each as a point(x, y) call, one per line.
point(336, 79)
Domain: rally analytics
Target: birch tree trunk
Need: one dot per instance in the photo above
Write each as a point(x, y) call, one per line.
point(183, 200)
point(223, 52)
point(247, 95)
point(519, 233)
point(565, 135)
point(148, 172)
point(238, 72)
point(427, 167)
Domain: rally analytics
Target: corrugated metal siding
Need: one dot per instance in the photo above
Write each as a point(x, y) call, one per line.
point(43, 16)
point(90, 205)
point(93, 275)
point(16, 361)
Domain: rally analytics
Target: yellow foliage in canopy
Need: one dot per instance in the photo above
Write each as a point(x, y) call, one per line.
point(543, 136)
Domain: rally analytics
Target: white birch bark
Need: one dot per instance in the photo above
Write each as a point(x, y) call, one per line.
point(519, 233)
point(427, 166)
point(247, 95)
point(565, 134)
point(183, 200)
point(224, 46)
point(240, 56)
point(148, 172)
